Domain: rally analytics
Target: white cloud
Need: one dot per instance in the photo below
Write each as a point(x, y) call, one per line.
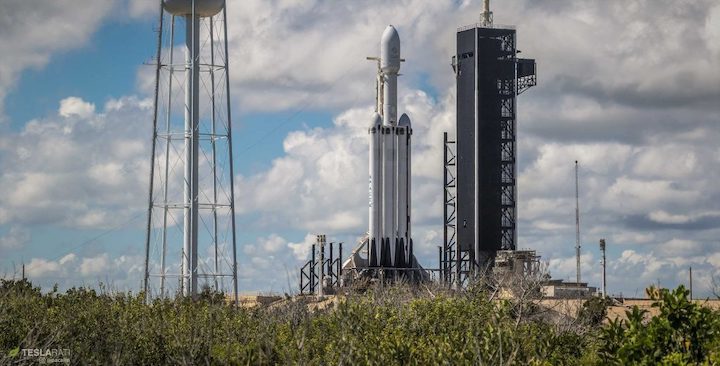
point(118, 273)
point(94, 265)
point(143, 8)
point(265, 245)
point(627, 102)
point(76, 170)
point(328, 42)
point(566, 267)
point(626, 237)
point(40, 267)
point(638, 196)
point(312, 54)
point(110, 173)
point(320, 183)
point(644, 268)
point(33, 32)
point(680, 248)
point(712, 31)
point(16, 237)
point(667, 162)
point(74, 106)
point(714, 260)
point(302, 249)
point(668, 218)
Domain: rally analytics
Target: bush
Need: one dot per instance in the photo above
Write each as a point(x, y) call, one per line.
point(390, 326)
point(594, 311)
point(683, 333)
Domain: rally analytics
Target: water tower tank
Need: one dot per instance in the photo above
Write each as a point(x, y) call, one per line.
point(203, 8)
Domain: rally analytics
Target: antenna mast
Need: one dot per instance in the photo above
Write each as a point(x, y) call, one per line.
point(577, 223)
point(604, 264)
point(487, 16)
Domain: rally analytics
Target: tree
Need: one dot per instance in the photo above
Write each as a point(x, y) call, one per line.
point(683, 332)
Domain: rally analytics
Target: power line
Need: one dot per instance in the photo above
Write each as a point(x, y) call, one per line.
point(298, 111)
point(92, 239)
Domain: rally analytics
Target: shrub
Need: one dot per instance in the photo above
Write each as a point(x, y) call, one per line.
point(390, 326)
point(683, 332)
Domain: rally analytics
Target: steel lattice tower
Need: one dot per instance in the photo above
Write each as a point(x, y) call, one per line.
point(191, 212)
point(482, 196)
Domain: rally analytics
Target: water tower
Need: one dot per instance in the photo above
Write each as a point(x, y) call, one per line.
point(190, 239)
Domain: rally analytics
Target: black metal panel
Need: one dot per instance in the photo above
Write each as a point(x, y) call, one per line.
point(526, 67)
point(486, 120)
point(526, 74)
point(465, 69)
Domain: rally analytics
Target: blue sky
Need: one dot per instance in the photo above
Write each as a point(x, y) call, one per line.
point(617, 92)
point(113, 71)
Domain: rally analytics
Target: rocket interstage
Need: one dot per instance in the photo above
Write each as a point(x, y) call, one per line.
point(389, 238)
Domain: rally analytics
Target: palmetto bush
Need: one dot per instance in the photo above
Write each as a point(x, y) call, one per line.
point(388, 326)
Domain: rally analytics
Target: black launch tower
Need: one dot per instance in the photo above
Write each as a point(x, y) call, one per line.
point(481, 169)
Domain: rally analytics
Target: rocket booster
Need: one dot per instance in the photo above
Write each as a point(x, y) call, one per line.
point(375, 189)
point(389, 168)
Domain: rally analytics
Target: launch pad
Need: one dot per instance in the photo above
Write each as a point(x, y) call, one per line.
point(324, 273)
point(388, 246)
point(480, 167)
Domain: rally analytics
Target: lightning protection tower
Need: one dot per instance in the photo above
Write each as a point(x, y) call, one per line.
point(190, 238)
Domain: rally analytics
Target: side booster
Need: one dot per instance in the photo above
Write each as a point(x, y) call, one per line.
point(390, 241)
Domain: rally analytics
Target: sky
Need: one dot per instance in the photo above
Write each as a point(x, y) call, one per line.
point(630, 89)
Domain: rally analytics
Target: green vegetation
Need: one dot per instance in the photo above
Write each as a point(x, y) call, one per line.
point(391, 325)
point(684, 333)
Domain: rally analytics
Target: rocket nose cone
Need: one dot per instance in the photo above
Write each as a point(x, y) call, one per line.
point(376, 120)
point(390, 50)
point(390, 35)
point(404, 121)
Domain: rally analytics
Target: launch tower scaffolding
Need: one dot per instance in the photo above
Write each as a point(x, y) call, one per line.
point(320, 267)
point(454, 264)
point(489, 77)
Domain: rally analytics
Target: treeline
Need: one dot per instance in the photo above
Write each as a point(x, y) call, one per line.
point(386, 326)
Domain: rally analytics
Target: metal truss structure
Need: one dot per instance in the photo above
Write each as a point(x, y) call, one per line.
point(320, 272)
point(454, 263)
point(191, 209)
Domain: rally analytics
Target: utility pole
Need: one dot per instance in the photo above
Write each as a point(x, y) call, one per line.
point(691, 292)
point(577, 223)
point(604, 263)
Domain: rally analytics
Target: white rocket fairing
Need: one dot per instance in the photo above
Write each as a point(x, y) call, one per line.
point(390, 243)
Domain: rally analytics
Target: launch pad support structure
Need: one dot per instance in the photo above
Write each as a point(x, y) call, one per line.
point(480, 187)
point(321, 274)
